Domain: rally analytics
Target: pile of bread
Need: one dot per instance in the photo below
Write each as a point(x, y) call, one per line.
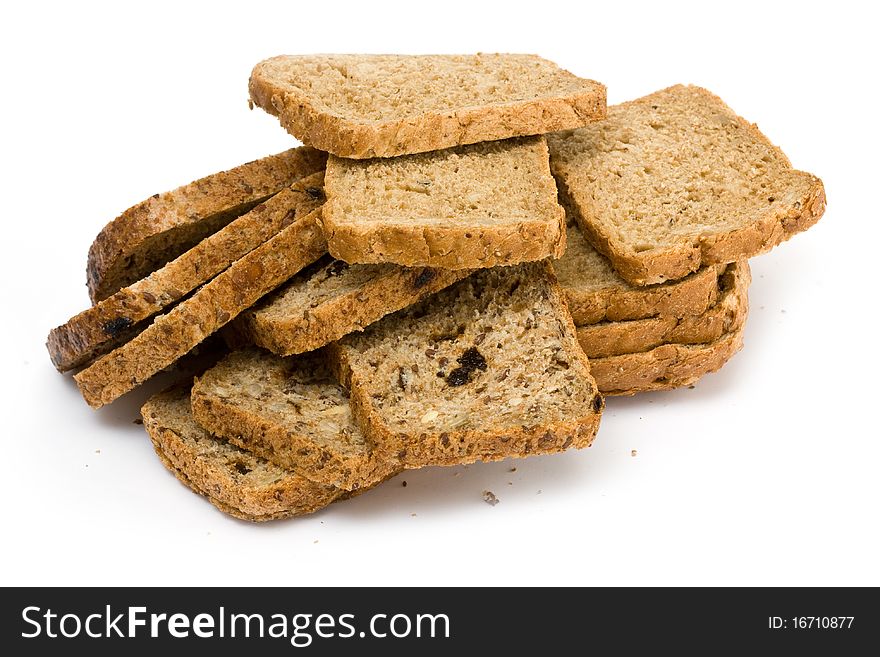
point(466, 255)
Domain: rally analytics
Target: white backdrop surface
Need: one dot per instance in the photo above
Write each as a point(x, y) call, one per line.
point(765, 473)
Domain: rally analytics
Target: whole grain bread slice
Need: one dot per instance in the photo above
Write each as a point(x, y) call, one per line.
point(727, 315)
point(363, 106)
point(332, 299)
point(215, 304)
point(234, 480)
point(468, 207)
point(675, 181)
point(486, 369)
point(93, 331)
point(157, 230)
point(596, 293)
point(665, 367)
point(289, 411)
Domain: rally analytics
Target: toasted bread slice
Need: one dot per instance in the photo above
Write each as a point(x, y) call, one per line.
point(235, 481)
point(157, 230)
point(596, 293)
point(332, 299)
point(675, 181)
point(363, 106)
point(94, 331)
point(665, 367)
point(464, 208)
point(727, 315)
point(486, 369)
point(214, 305)
point(291, 412)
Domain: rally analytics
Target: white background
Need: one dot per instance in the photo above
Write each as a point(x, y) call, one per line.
point(766, 473)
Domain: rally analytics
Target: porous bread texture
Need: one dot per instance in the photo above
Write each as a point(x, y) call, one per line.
point(676, 181)
point(215, 304)
point(363, 106)
point(157, 230)
point(728, 314)
point(95, 331)
point(234, 480)
point(326, 302)
point(289, 411)
point(486, 369)
point(665, 367)
point(596, 293)
point(463, 208)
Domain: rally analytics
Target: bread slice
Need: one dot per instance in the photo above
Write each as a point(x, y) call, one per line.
point(93, 331)
point(289, 411)
point(675, 181)
point(464, 208)
point(729, 314)
point(665, 367)
point(173, 334)
point(157, 230)
point(332, 299)
point(235, 481)
point(363, 106)
point(486, 369)
point(596, 293)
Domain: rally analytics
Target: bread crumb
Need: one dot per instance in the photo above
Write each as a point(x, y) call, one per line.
point(97, 451)
point(412, 515)
point(403, 483)
point(137, 420)
point(510, 483)
point(513, 469)
point(489, 498)
point(315, 541)
point(633, 452)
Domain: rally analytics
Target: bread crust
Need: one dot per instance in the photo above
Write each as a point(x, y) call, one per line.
point(155, 231)
point(302, 117)
point(172, 335)
point(691, 295)
point(353, 310)
point(94, 331)
point(665, 367)
point(671, 263)
point(445, 247)
point(728, 314)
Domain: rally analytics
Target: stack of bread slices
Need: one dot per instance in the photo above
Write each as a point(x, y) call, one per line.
point(464, 257)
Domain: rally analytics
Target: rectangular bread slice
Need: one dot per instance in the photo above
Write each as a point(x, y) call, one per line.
point(234, 480)
point(675, 181)
point(464, 208)
point(93, 331)
point(363, 106)
point(332, 299)
point(665, 367)
point(214, 305)
point(596, 293)
point(727, 315)
point(157, 230)
point(289, 411)
point(486, 369)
